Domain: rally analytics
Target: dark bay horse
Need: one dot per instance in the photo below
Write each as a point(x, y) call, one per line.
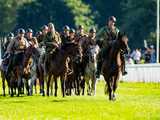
point(113, 63)
point(58, 65)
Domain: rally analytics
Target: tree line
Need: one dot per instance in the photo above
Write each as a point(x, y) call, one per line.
point(136, 17)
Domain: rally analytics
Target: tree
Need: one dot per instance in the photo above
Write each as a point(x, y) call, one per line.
point(41, 12)
point(139, 19)
point(82, 13)
point(7, 14)
point(60, 12)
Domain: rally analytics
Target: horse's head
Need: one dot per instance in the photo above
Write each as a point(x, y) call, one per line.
point(72, 49)
point(93, 51)
point(123, 43)
point(31, 52)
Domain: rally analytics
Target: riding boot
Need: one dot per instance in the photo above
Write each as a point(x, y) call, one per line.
point(124, 72)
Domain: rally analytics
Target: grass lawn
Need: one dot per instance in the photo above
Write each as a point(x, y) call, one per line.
point(135, 101)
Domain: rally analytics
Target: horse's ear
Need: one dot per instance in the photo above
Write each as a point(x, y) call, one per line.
point(121, 34)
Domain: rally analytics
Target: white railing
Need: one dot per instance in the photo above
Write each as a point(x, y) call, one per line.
point(141, 73)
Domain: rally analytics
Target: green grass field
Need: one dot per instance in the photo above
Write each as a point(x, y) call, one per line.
point(135, 101)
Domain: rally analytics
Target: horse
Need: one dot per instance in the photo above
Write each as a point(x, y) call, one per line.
point(90, 70)
point(4, 76)
point(73, 80)
point(113, 63)
point(30, 68)
point(40, 69)
point(17, 71)
point(58, 65)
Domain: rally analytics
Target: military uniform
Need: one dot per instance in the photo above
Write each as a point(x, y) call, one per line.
point(80, 38)
point(51, 41)
point(86, 43)
point(64, 38)
point(16, 48)
point(105, 38)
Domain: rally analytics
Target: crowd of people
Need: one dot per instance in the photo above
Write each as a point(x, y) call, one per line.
point(51, 41)
point(141, 56)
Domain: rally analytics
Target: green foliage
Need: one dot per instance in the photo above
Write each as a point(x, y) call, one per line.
point(41, 12)
point(139, 19)
point(136, 18)
point(8, 10)
point(82, 13)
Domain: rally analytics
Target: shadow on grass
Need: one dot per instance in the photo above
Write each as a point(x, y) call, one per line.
point(59, 100)
point(19, 101)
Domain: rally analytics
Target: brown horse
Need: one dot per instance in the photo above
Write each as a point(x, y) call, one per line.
point(113, 64)
point(58, 65)
point(30, 68)
point(17, 71)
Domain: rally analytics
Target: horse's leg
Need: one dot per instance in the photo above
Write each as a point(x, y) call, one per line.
point(63, 85)
point(51, 85)
point(35, 85)
point(115, 84)
point(27, 84)
point(8, 83)
point(33, 82)
point(18, 82)
point(11, 85)
point(107, 79)
point(82, 85)
point(3, 82)
point(88, 85)
point(94, 84)
point(55, 86)
point(48, 84)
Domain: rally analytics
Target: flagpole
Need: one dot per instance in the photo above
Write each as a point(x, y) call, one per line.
point(157, 31)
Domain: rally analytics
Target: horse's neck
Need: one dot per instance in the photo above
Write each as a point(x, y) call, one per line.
point(115, 56)
point(61, 57)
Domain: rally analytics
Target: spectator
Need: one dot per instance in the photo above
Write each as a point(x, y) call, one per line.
point(130, 60)
point(147, 55)
point(153, 54)
point(136, 55)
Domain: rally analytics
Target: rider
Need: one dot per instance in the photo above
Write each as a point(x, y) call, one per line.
point(65, 34)
point(17, 47)
point(80, 35)
point(29, 34)
point(72, 35)
point(86, 43)
point(52, 41)
point(42, 36)
point(105, 38)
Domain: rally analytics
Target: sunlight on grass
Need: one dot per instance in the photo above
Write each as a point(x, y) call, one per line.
point(135, 101)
